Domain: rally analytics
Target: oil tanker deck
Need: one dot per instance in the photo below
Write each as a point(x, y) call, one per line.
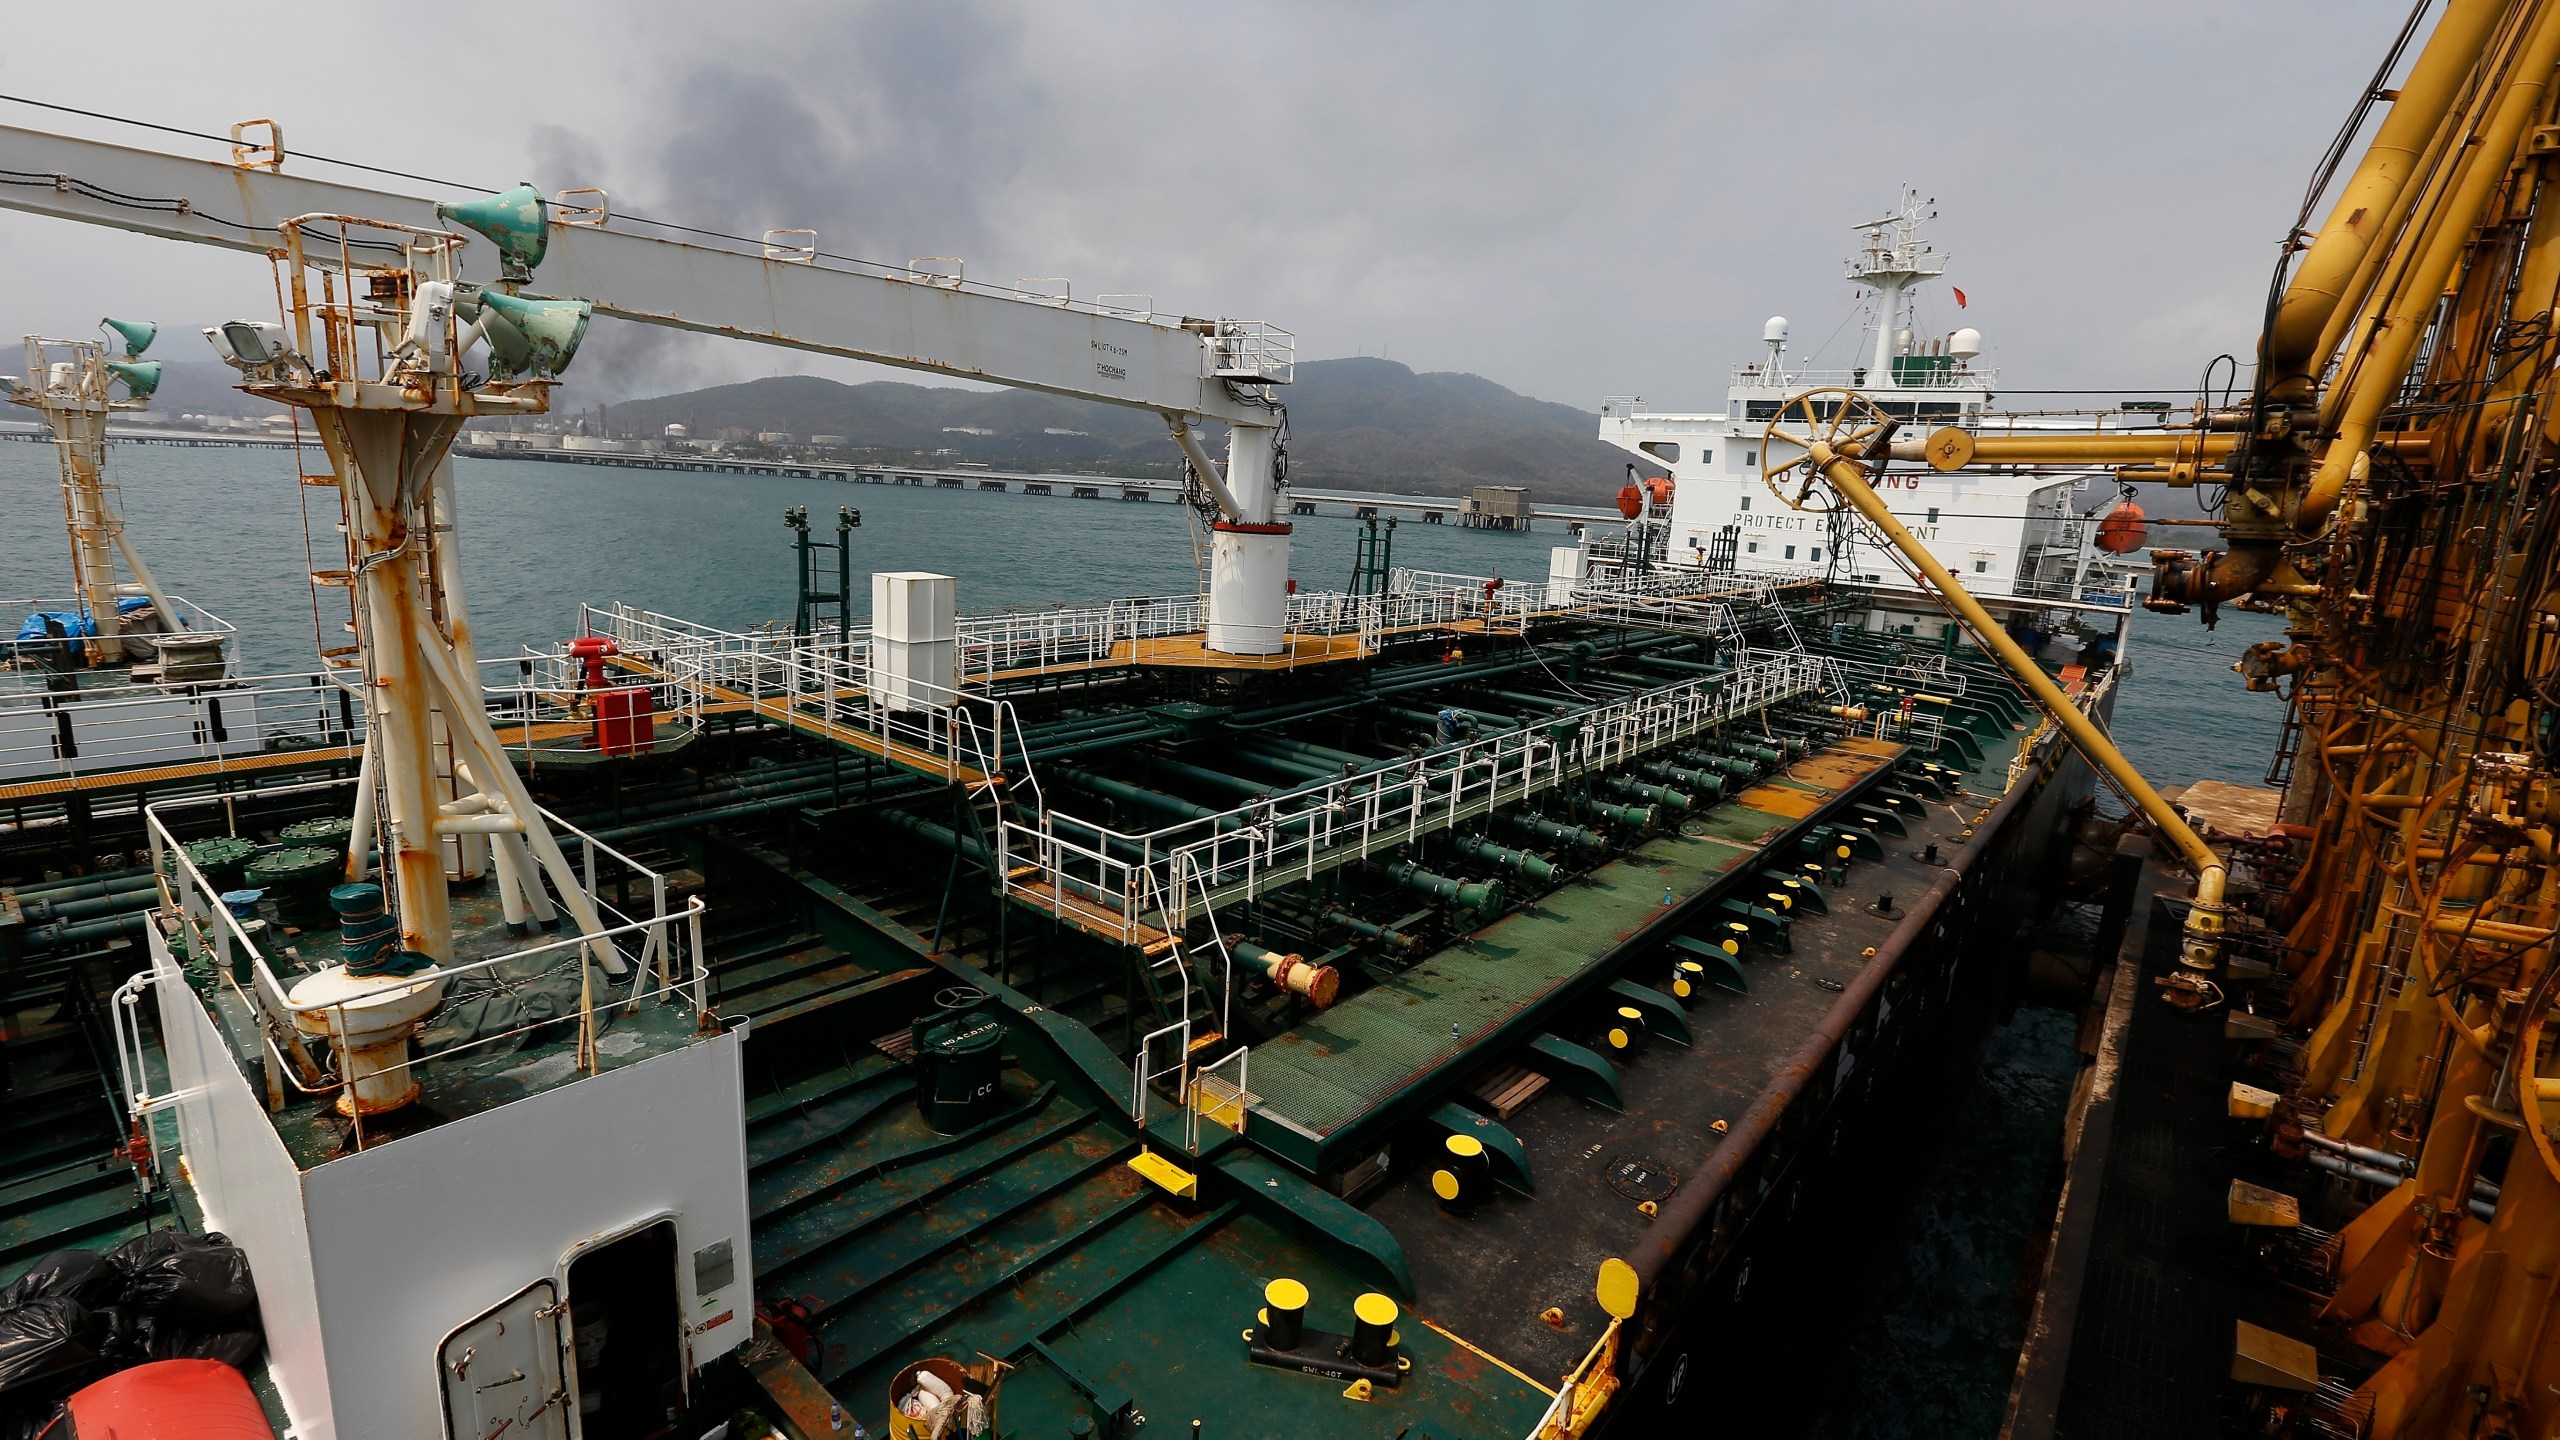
point(1441, 1008)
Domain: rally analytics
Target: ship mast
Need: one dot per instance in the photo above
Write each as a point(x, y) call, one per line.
point(1890, 263)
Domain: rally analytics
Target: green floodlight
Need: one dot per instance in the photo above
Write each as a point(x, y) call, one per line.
point(517, 221)
point(537, 337)
point(140, 377)
point(136, 334)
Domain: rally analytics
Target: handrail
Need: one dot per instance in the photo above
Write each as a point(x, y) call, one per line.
point(205, 921)
point(1278, 840)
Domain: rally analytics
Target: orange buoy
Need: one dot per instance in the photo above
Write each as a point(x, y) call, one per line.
point(2124, 529)
point(1630, 501)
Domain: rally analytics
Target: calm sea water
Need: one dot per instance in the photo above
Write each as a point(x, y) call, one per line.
point(224, 528)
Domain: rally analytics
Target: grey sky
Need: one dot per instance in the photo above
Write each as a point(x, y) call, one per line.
point(1573, 201)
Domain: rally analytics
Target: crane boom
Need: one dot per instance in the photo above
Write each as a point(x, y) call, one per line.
point(929, 322)
point(789, 295)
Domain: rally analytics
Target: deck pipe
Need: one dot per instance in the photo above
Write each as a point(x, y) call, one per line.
point(1696, 782)
point(888, 787)
point(1291, 972)
point(1709, 760)
point(45, 938)
point(87, 887)
point(1481, 896)
point(1533, 867)
point(1371, 930)
point(1554, 831)
point(941, 835)
point(1143, 798)
point(36, 911)
point(1634, 817)
point(1663, 795)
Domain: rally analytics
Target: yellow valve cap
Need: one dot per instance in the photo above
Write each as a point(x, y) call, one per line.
point(1444, 1184)
point(1374, 1309)
point(1647, 1207)
point(1617, 1038)
point(1285, 1295)
point(1680, 986)
point(1719, 1127)
point(1782, 900)
point(1629, 1012)
point(1466, 1147)
point(1842, 851)
point(1617, 1287)
point(1732, 948)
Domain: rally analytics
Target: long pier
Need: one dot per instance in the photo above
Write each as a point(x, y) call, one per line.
point(1360, 504)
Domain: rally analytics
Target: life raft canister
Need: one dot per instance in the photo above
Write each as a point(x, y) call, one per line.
point(2124, 529)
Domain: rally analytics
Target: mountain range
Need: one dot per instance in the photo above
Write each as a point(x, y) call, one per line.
point(1354, 424)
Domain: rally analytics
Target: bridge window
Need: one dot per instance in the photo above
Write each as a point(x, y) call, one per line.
point(1816, 555)
point(1791, 552)
point(1752, 549)
point(1981, 567)
point(1746, 502)
point(1933, 514)
point(1706, 457)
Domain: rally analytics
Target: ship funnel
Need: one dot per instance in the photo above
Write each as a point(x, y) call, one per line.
point(140, 377)
point(136, 334)
point(1965, 343)
point(517, 221)
point(539, 337)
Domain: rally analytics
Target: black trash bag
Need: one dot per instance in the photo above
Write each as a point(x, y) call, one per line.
point(45, 1344)
point(199, 1280)
point(137, 1337)
point(83, 1275)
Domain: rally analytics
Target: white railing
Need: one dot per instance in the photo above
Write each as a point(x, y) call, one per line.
point(1954, 377)
point(1254, 351)
point(661, 950)
point(193, 624)
point(819, 684)
point(59, 736)
point(1132, 884)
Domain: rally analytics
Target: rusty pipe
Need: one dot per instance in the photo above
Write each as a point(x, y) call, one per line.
point(2181, 578)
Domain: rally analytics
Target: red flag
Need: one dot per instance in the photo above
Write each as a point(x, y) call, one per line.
point(1959, 297)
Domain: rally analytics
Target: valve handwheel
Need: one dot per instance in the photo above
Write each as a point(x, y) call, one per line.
point(1842, 420)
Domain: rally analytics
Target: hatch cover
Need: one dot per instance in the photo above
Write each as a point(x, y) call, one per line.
point(1639, 1178)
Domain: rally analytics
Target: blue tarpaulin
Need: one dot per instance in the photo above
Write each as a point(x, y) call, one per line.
point(75, 624)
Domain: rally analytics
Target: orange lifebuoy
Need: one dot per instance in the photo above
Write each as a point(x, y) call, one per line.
point(1630, 501)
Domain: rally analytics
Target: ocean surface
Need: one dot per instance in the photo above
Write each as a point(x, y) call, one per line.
point(224, 528)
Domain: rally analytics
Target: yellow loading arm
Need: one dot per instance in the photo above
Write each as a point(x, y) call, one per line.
point(1811, 445)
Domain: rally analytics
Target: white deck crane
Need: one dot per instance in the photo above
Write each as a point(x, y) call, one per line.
point(357, 262)
point(71, 384)
point(922, 316)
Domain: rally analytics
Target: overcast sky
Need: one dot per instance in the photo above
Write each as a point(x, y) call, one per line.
point(1574, 201)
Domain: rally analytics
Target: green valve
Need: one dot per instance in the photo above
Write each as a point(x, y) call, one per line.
point(219, 860)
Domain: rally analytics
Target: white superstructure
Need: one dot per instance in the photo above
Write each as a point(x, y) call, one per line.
point(2008, 534)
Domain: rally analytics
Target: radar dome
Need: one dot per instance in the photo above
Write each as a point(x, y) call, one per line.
point(1775, 330)
point(1965, 343)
